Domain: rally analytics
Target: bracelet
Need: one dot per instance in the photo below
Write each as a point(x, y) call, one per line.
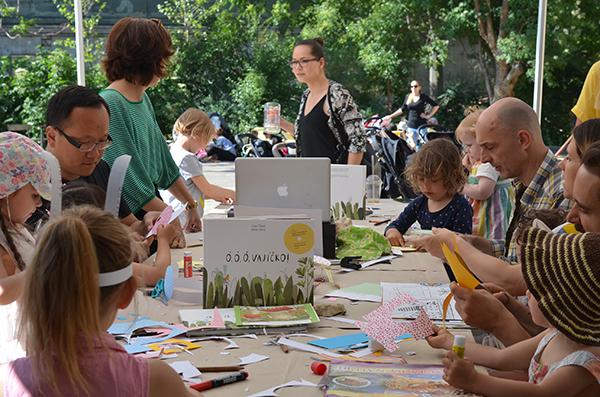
point(191, 205)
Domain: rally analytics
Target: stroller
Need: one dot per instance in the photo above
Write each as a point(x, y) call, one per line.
point(392, 153)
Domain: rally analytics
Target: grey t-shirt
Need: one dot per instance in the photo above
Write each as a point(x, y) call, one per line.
point(189, 167)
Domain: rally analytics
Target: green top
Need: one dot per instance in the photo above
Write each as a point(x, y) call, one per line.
point(134, 131)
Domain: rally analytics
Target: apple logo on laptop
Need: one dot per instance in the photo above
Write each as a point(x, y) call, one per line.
point(282, 190)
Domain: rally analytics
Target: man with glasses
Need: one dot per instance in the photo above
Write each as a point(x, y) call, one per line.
point(77, 132)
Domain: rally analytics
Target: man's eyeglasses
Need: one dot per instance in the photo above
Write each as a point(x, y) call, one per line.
point(301, 63)
point(88, 146)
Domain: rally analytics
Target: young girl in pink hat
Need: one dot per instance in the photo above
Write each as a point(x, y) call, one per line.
point(24, 177)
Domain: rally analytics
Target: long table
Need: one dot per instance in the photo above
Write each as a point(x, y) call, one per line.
point(283, 367)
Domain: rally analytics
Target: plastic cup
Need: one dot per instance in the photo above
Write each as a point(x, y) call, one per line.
point(373, 187)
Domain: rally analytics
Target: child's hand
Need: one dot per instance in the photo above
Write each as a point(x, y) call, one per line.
point(441, 340)
point(165, 233)
point(395, 237)
point(459, 372)
point(226, 196)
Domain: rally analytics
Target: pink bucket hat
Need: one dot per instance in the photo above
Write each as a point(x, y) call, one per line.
point(22, 162)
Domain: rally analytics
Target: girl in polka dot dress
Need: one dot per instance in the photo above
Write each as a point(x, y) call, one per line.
point(437, 172)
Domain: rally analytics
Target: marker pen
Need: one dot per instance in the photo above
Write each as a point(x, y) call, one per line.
point(217, 382)
point(458, 347)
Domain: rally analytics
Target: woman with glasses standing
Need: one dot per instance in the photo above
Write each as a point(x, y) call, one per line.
point(136, 58)
point(415, 103)
point(328, 123)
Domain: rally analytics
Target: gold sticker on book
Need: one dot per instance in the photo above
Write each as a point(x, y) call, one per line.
point(299, 238)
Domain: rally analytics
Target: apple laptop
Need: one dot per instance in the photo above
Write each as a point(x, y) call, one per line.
point(284, 183)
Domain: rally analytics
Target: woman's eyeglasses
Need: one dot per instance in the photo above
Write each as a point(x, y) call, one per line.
point(88, 146)
point(413, 86)
point(301, 63)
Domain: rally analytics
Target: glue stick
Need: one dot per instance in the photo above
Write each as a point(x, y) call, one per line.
point(458, 347)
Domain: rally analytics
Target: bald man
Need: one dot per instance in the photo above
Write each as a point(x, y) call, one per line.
point(511, 140)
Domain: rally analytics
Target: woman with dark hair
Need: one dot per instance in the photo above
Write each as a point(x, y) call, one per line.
point(328, 123)
point(136, 58)
point(415, 103)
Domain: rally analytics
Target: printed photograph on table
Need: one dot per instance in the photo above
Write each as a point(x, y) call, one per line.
point(348, 194)
point(276, 315)
point(258, 261)
point(351, 379)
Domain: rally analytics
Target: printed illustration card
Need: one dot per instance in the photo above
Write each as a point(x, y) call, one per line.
point(348, 191)
point(427, 297)
point(352, 379)
point(258, 261)
point(275, 316)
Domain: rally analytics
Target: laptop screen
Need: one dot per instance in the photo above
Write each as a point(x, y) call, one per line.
point(302, 183)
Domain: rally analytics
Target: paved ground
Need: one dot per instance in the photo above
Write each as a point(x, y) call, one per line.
point(221, 174)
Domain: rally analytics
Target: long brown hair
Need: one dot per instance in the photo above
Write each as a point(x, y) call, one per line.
point(4, 227)
point(585, 134)
point(62, 305)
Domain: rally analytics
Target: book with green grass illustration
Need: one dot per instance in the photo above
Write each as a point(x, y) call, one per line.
point(275, 316)
point(348, 195)
point(258, 261)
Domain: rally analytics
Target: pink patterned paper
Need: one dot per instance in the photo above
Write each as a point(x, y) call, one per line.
point(380, 325)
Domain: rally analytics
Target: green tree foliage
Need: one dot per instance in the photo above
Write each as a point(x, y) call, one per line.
point(231, 55)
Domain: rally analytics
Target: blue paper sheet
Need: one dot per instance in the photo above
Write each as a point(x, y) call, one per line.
point(127, 328)
point(346, 341)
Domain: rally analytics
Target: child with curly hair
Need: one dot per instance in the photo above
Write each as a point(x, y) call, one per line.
point(437, 173)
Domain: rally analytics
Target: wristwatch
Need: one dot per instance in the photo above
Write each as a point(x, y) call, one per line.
point(191, 205)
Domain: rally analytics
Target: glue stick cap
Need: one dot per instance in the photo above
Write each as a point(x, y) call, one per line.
point(459, 340)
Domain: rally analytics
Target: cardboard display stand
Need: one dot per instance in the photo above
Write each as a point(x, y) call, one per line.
point(258, 261)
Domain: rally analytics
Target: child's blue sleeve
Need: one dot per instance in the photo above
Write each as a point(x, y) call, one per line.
point(463, 217)
point(406, 217)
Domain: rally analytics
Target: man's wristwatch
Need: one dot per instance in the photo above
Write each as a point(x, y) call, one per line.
point(191, 205)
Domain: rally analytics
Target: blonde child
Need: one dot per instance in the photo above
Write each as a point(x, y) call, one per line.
point(76, 194)
point(436, 172)
point(564, 360)
point(80, 276)
point(23, 178)
point(492, 198)
point(192, 131)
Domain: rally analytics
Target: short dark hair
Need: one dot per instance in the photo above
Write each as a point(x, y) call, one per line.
point(317, 46)
point(137, 50)
point(64, 101)
point(591, 158)
point(438, 158)
point(586, 134)
point(78, 193)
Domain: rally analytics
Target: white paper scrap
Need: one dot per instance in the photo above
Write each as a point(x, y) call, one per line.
point(252, 358)
point(294, 383)
point(231, 344)
point(306, 347)
point(364, 265)
point(341, 319)
point(186, 370)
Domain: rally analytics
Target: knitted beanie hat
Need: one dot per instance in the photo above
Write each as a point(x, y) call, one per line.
point(563, 273)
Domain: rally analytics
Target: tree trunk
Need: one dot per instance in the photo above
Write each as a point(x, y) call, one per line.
point(433, 81)
point(388, 96)
point(506, 78)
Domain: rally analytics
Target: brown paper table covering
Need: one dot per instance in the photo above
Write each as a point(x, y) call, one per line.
point(413, 267)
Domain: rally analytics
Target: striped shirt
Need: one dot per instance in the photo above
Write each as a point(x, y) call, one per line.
point(545, 191)
point(134, 131)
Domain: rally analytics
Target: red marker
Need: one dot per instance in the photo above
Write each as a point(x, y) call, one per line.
point(222, 381)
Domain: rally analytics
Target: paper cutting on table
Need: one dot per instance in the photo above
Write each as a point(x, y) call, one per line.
point(186, 370)
point(427, 297)
point(272, 391)
point(381, 327)
point(370, 292)
point(171, 346)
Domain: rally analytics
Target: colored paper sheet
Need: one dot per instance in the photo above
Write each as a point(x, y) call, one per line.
point(163, 219)
point(171, 346)
point(343, 341)
point(370, 292)
point(463, 275)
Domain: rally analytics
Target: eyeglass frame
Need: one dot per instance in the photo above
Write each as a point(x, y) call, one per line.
point(75, 143)
point(301, 63)
point(415, 86)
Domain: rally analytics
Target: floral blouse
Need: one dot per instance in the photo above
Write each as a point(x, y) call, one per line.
point(346, 111)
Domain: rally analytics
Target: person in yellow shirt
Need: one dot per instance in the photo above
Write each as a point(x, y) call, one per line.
point(588, 104)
